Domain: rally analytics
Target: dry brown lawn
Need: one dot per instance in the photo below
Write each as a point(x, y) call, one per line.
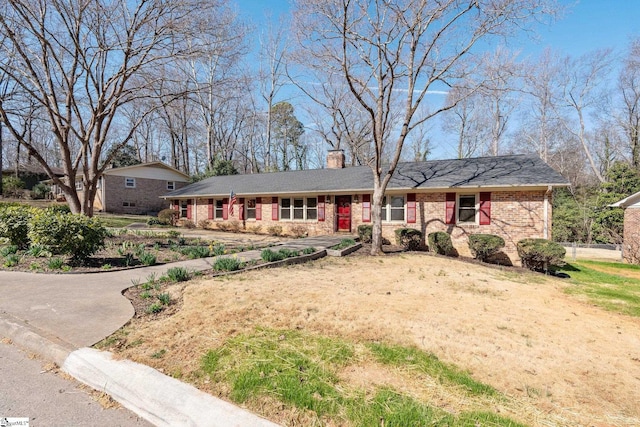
point(560, 360)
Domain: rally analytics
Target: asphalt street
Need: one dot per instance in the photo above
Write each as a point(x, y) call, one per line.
point(48, 399)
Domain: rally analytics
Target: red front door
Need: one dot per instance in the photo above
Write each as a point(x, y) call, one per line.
point(344, 213)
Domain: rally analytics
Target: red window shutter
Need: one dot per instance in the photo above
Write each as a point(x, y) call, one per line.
point(241, 209)
point(189, 214)
point(274, 208)
point(321, 208)
point(411, 208)
point(210, 214)
point(225, 208)
point(485, 208)
point(450, 213)
point(258, 209)
point(366, 208)
point(176, 205)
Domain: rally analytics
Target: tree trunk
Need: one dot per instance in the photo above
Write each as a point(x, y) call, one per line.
point(376, 219)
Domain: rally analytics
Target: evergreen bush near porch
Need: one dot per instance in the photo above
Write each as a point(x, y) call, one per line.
point(440, 243)
point(540, 254)
point(409, 238)
point(482, 246)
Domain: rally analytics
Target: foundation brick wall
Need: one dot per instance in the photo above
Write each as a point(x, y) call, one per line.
point(515, 215)
point(631, 246)
point(145, 195)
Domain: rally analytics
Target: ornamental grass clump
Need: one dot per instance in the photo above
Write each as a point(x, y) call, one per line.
point(227, 264)
point(268, 255)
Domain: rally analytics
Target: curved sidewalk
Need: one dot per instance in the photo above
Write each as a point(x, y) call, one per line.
point(56, 314)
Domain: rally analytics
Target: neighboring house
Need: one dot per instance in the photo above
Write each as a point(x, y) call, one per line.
point(136, 189)
point(631, 233)
point(30, 173)
point(509, 196)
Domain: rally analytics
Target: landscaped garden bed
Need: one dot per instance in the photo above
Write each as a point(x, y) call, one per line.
point(122, 249)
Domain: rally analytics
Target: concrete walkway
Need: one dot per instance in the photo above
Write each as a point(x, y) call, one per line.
point(56, 314)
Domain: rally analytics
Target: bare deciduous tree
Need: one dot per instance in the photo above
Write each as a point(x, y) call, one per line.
point(629, 86)
point(81, 62)
point(580, 93)
point(390, 54)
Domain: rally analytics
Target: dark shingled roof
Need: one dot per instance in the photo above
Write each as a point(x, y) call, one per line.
point(501, 171)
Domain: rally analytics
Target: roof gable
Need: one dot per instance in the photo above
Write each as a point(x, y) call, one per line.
point(143, 169)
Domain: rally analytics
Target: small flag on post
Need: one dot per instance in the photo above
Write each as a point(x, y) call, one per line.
point(232, 201)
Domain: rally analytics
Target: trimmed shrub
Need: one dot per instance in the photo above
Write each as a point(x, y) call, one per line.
point(11, 185)
point(76, 235)
point(540, 254)
point(408, 238)
point(168, 216)
point(440, 243)
point(482, 246)
point(365, 232)
point(40, 191)
point(14, 224)
point(154, 221)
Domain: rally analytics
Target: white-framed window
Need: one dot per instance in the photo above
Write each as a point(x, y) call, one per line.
point(393, 209)
point(129, 204)
point(299, 209)
point(218, 209)
point(171, 185)
point(130, 182)
point(183, 208)
point(79, 186)
point(251, 209)
point(467, 211)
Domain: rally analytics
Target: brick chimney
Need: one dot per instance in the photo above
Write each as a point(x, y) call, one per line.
point(335, 159)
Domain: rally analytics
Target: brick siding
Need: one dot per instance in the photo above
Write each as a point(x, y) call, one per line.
point(631, 247)
point(145, 195)
point(515, 215)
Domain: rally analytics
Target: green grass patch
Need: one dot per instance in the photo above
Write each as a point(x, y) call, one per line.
point(120, 221)
point(421, 361)
point(301, 370)
point(609, 291)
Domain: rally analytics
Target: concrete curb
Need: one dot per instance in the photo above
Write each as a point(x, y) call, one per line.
point(33, 339)
point(159, 399)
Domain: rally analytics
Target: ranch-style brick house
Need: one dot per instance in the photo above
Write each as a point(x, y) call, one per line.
point(631, 232)
point(507, 195)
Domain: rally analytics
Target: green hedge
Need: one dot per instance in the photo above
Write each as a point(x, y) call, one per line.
point(482, 246)
point(409, 238)
point(440, 243)
point(540, 254)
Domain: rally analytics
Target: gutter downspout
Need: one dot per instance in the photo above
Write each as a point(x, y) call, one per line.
point(545, 230)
